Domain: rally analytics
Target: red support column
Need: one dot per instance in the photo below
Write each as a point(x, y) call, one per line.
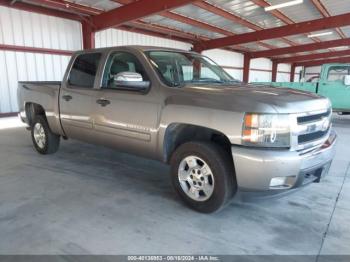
point(246, 68)
point(292, 72)
point(274, 71)
point(88, 35)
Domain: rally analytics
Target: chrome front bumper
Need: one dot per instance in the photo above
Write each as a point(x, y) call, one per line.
point(255, 168)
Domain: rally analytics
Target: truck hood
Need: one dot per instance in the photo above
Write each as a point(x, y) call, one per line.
point(249, 98)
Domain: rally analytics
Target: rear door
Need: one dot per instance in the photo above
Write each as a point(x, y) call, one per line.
point(332, 86)
point(76, 96)
point(128, 119)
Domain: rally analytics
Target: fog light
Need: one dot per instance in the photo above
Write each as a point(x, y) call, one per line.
point(278, 181)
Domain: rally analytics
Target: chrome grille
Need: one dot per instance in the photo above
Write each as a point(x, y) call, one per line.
point(312, 129)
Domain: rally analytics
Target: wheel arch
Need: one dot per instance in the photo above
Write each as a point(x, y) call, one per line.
point(33, 109)
point(178, 133)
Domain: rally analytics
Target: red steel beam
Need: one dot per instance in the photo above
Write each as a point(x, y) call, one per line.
point(134, 11)
point(39, 50)
point(313, 56)
point(246, 68)
point(190, 21)
point(274, 71)
point(287, 30)
point(324, 61)
point(301, 48)
point(166, 31)
point(193, 22)
point(39, 9)
point(322, 9)
point(88, 35)
point(232, 17)
point(185, 20)
point(136, 26)
point(205, 26)
point(147, 31)
point(292, 72)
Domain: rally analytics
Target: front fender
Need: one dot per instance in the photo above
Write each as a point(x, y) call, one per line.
point(226, 122)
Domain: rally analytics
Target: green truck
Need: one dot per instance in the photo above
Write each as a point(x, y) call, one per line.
point(333, 82)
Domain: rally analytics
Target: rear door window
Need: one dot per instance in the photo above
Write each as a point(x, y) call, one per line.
point(84, 69)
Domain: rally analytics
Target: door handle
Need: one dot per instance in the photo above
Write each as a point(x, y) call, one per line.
point(103, 102)
point(67, 97)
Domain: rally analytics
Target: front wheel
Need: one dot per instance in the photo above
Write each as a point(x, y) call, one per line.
point(203, 176)
point(44, 141)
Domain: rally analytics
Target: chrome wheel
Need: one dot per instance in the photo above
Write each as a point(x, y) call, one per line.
point(39, 135)
point(196, 178)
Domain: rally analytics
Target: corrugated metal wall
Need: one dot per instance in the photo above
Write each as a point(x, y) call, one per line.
point(282, 73)
point(232, 62)
point(23, 28)
point(115, 37)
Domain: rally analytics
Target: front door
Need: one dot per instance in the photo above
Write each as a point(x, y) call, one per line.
point(333, 87)
point(77, 96)
point(126, 119)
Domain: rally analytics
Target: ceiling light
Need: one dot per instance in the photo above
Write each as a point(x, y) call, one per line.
point(320, 34)
point(290, 3)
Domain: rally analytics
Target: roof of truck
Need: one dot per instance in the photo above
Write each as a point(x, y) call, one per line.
point(135, 47)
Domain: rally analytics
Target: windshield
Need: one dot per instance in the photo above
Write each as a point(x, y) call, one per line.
point(180, 68)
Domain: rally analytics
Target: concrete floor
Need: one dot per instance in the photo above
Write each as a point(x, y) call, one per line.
point(92, 200)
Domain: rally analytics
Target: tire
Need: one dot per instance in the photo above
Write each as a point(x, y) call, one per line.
point(219, 181)
point(44, 141)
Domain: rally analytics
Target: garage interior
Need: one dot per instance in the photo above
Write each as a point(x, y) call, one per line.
point(92, 200)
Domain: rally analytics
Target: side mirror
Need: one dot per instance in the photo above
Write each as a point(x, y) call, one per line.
point(347, 80)
point(130, 81)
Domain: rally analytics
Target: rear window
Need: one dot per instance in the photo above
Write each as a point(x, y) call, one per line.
point(84, 70)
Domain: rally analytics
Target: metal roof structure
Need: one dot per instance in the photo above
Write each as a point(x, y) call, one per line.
point(283, 35)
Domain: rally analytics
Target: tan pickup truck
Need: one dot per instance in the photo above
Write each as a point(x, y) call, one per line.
point(219, 135)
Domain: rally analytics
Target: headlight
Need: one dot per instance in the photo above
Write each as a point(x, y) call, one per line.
point(266, 130)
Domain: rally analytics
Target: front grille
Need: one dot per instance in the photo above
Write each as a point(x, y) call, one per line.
point(310, 118)
point(311, 137)
point(313, 129)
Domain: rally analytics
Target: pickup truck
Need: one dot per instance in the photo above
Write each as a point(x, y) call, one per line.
point(220, 136)
point(333, 83)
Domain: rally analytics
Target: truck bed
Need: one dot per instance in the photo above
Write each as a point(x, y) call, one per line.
point(43, 93)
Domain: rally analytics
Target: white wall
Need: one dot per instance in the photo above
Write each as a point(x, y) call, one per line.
point(297, 73)
point(312, 71)
point(23, 28)
point(115, 37)
point(231, 61)
point(19, 66)
point(258, 69)
point(283, 73)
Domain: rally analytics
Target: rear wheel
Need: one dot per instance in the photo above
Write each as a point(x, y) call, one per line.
point(44, 141)
point(203, 176)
